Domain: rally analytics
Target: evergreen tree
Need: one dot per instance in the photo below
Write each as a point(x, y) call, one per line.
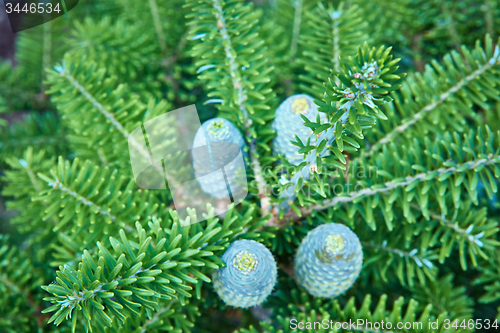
point(401, 155)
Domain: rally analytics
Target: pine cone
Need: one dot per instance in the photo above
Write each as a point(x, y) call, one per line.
point(289, 123)
point(328, 260)
point(249, 276)
point(225, 142)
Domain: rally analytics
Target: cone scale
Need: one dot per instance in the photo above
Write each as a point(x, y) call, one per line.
point(213, 132)
point(329, 260)
point(249, 276)
point(288, 123)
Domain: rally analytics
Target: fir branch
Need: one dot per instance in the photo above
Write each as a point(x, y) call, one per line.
point(38, 49)
point(123, 49)
point(31, 175)
point(466, 160)
point(297, 20)
point(19, 280)
point(241, 94)
point(411, 254)
point(332, 33)
point(14, 96)
point(430, 107)
point(110, 113)
point(403, 252)
point(349, 106)
point(485, 63)
point(148, 278)
point(157, 316)
point(240, 98)
point(178, 51)
point(47, 47)
point(245, 91)
point(259, 177)
point(417, 216)
point(63, 72)
point(47, 140)
point(21, 186)
point(336, 41)
point(87, 202)
point(445, 297)
point(86, 216)
point(489, 8)
point(490, 278)
point(477, 234)
point(305, 172)
point(459, 168)
point(159, 30)
point(36, 130)
point(158, 264)
point(313, 313)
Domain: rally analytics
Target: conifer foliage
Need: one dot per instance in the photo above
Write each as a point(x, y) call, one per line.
point(370, 135)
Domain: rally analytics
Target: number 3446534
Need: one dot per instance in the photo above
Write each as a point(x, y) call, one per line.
point(32, 8)
point(471, 324)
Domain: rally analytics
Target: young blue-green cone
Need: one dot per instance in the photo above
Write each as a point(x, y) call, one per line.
point(289, 123)
point(328, 260)
point(249, 276)
point(225, 142)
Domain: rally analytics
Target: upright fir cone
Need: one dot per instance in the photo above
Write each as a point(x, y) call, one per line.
point(328, 260)
point(249, 276)
point(214, 132)
point(289, 123)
